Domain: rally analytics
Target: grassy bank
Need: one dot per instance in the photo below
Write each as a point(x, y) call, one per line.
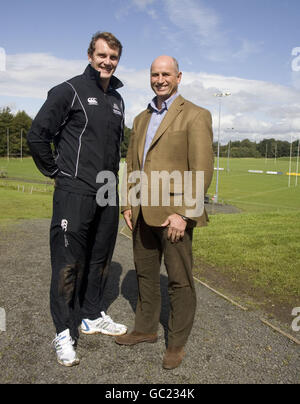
point(23, 169)
point(259, 250)
point(16, 205)
point(253, 192)
point(248, 191)
point(22, 199)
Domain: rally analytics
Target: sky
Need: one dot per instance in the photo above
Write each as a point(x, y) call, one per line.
point(250, 49)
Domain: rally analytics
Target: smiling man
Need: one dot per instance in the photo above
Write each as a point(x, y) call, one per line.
point(83, 118)
point(104, 54)
point(172, 134)
point(165, 78)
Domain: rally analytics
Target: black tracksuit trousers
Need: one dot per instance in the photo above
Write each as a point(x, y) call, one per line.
point(82, 240)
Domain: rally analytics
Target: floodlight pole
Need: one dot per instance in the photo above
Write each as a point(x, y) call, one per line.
point(7, 141)
point(290, 165)
point(220, 96)
point(297, 169)
point(228, 156)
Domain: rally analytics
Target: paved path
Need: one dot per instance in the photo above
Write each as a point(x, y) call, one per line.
point(227, 345)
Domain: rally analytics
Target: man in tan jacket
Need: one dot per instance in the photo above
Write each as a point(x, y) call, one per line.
point(171, 158)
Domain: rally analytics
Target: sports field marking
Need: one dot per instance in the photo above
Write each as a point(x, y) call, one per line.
point(263, 204)
point(261, 193)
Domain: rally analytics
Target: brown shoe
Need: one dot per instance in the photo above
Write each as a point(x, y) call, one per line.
point(135, 338)
point(173, 357)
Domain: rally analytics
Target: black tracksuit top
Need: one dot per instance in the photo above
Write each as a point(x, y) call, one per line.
point(85, 124)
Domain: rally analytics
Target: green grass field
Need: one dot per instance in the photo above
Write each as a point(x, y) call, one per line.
point(23, 169)
point(262, 248)
point(253, 192)
point(247, 191)
point(21, 199)
point(261, 245)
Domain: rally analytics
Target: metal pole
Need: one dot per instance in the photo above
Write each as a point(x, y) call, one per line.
point(218, 157)
point(21, 144)
point(297, 169)
point(228, 157)
point(290, 166)
point(219, 95)
point(7, 141)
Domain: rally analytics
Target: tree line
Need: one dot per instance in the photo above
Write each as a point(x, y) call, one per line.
point(14, 128)
point(270, 148)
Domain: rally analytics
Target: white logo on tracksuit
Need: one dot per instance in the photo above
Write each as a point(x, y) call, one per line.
point(64, 226)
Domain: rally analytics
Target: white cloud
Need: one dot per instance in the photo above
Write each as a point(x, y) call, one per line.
point(139, 5)
point(196, 22)
point(142, 4)
point(256, 109)
point(193, 17)
point(296, 79)
point(247, 49)
point(33, 74)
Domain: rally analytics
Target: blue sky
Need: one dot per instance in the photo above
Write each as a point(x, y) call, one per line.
point(240, 46)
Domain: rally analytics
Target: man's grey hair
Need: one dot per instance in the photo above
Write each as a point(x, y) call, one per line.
point(176, 64)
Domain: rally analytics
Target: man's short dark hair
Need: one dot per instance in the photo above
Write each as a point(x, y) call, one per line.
point(111, 40)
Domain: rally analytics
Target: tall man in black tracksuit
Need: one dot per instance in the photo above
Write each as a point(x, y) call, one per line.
point(83, 118)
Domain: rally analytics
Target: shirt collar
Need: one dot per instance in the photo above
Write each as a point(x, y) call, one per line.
point(92, 73)
point(165, 105)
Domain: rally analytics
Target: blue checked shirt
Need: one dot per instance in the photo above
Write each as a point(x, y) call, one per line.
point(155, 121)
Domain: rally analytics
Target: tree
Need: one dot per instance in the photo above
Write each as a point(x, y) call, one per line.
point(14, 123)
point(125, 143)
point(21, 122)
point(6, 123)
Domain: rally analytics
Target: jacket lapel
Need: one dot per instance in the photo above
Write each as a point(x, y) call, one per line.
point(172, 113)
point(143, 131)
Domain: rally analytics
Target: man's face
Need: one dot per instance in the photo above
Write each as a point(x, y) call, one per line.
point(164, 77)
point(104, 59)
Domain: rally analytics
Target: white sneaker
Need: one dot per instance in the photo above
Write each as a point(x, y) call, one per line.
point(102, 325)
point(63, 344)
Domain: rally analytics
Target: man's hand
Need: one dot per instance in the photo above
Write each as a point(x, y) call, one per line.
point(127, 217)
point(176, 226)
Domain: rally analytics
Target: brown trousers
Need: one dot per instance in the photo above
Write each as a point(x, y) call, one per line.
point(149, 245)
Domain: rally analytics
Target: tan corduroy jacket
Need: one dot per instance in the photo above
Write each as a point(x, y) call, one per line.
point(182, 143)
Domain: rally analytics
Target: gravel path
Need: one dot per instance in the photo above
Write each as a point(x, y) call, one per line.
point(227, 345)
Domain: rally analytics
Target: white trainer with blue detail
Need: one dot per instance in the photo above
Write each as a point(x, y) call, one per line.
point(64, 347)
point(102, 325)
